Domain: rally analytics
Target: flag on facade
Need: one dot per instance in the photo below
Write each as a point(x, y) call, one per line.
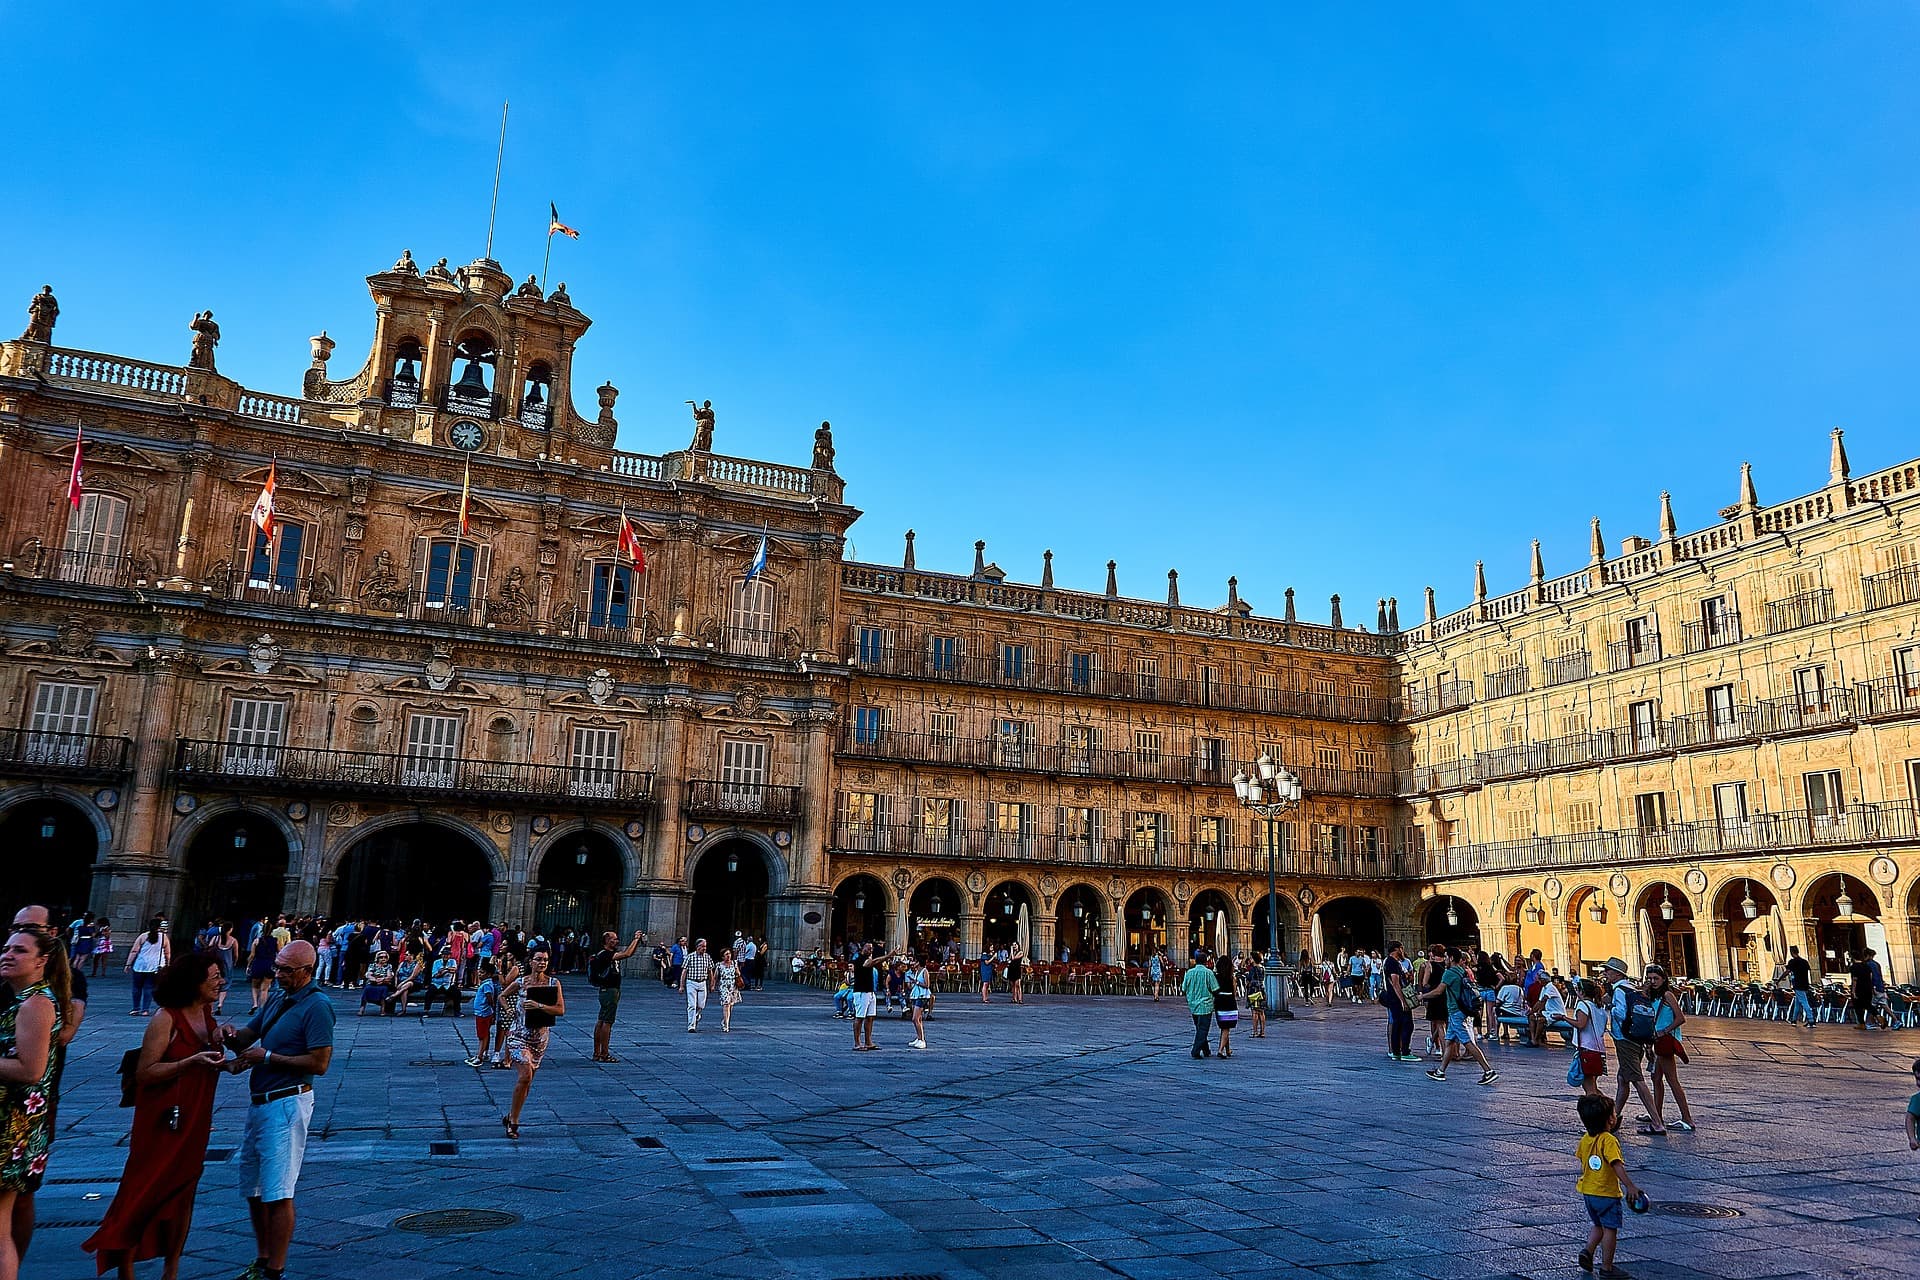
point(555, 225)
point(759, 559)
point(630, 543)
point(466, 482)
point(263, 505)
point(73, 477)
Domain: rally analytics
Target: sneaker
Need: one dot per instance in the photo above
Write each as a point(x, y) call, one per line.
point(1490, 1077)
point(1436, 1075)
point(1585, 1259)
point(255, 1271)
point(916, 1044)
point(476, 1062)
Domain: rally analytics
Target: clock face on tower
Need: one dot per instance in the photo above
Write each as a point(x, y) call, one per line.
point(466, 435)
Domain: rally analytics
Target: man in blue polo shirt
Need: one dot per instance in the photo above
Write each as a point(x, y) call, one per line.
point(287, 1043)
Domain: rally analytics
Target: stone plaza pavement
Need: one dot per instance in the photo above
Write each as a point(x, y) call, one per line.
point(1071, 1137)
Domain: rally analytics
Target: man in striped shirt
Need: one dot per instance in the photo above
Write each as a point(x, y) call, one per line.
point(693, 981)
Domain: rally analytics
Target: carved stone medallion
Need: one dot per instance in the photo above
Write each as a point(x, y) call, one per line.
point(263, 654)
point(1620, 884)
point(902, 879)
point(1553, 889)
point(439, 672)
point(600, 686)
point(1696, 880)
point(1883, 870)
point(1782, 876)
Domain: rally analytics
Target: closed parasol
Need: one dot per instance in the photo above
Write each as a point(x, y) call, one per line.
point(1021, 936)
point(1220, 934)
point(1778, 927)
point(1646, 938)
point(1314, 941)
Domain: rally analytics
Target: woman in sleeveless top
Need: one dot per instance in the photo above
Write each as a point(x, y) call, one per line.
point(1226, 1006)
point(178, 1073)
point(726, 976)
point(1017, 973)
point(34, 966)
point(527, 1045)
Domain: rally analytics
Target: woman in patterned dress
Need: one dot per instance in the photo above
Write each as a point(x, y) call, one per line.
point(527, 1045)
point(727, 976)
point(34, 967)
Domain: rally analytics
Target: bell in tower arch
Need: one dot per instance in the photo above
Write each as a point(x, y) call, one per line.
point(471, 385)
point(533, 394)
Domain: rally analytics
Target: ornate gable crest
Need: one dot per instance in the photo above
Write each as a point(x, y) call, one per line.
point(285, 480)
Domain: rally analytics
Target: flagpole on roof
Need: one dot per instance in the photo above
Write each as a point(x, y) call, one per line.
point(498, 156)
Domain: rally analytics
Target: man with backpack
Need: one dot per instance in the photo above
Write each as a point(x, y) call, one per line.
point(1633, 1015)
point(1463, 1005)
point(603, 974)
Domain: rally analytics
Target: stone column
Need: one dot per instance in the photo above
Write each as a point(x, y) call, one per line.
point(1707, 945)
point(663, 853)
point(808, 853)
point(972, 934)
point(143, 853)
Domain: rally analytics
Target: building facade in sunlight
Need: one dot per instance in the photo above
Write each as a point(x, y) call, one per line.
point(420, 641)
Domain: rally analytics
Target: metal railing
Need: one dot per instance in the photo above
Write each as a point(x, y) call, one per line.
point(1029, 673)
point(1698, 637)
point(37, 753)
point(1623, 655)
point(1895, 586)
point(1568, 667)
point(481, 406)
point(710, 797)
point(985, 844)
point(1503, 684)
point(320, 770)
point(87, 568)
point(1809, 608)
point(1756, 833)
point(1447, 695)
point(1897, 695)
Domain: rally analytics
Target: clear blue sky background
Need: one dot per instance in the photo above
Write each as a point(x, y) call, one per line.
point(1324, 296)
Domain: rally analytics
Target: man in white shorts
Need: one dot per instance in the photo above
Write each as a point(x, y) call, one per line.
point(693, 981)
point(287, 1044)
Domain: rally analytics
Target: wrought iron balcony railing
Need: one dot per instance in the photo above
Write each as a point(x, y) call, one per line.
point(1447, 695)
point(1809, 608)
point(1698, 637)
point(1895, 586)
point(1026, 672)
point(38, 754)
point(1896, 695)
point(1754, 833)
point(318, 770)
point(983, 844)
point(1624, 655)
point(1568, 667)
point(453, 400)
point(712, 798)
point(1504, 684)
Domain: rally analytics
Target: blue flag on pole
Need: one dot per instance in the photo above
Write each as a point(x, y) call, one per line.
point(759, 559)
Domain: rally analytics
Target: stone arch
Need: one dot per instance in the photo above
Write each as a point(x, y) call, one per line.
point(60, 870)
point(1355, 927)
point(1590, 942)
point(997, 926)
point(630, 867)
point(338, 848)
point(189, 827)
point(81, 800)
point(1522, 935)
point(1674, 944)
point(1088, 935)
point(1744, 950)
point(215, 881)
point(778, 872)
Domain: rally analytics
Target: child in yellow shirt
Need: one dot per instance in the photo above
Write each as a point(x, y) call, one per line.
point(1602, 1174)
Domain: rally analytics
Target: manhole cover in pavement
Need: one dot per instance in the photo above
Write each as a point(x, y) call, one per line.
point(1689, 1209)
point(649, 1144)
point(453, 1222)
point(768, 1193)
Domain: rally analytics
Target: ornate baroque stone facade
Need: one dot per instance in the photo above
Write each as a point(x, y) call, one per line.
point(378, 709)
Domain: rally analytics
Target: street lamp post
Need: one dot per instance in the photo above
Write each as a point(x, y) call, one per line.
point(1269, 791)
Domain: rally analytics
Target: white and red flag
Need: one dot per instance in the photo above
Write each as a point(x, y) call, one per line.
point(263, 505)
point(630, 543)
point(73, 477)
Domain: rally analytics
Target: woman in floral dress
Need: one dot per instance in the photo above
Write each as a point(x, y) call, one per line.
point(727, 976)
point(34, 966)
point(527, 1040)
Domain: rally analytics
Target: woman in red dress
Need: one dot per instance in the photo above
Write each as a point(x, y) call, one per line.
point(180, 1065)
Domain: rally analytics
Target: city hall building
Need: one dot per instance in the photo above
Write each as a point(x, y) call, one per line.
point(486, 664)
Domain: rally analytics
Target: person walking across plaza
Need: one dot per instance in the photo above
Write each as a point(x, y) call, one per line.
point(540, 1004)
point(288, 1044)
point(1669, 1050)
point(1226, 1005)
point(866, 999)
point(486, 1007)
point(1800, 977)
point(1200, 987)
point(1156, 973)
point(1456, 983)
point(1630, 1018)
point(1588, 1018)
point(35, 973)
point(260, 956)
point(603, 975)
point(919, 999)
point(181, 1061)
point(694, 976)
point(1432, 965)
point(728, 979)
point(1394, 995)
point(1603, 1173)
point(1254, 983)
point(146, 957)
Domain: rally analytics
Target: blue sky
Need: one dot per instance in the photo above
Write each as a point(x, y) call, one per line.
point(1323, 296)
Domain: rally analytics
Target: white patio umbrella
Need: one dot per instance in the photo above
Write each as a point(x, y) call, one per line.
point(1646, 939)
point(1779, 928)
point(1314, 941)
point(1220, 934)
point(1021, 936)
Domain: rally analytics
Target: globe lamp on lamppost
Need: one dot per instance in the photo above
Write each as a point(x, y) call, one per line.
point(1269, 790)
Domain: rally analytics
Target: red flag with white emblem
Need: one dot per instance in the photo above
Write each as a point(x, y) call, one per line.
point(73, 478)
point(263, 505)
point(630, 543)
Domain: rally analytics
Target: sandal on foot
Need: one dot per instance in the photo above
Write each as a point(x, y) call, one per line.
point(1652, 1132)
point(1585, 1259)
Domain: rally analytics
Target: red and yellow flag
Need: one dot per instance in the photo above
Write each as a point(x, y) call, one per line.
point(466, 483)
point(263, 505)
point(630, 543)
point(555, 225)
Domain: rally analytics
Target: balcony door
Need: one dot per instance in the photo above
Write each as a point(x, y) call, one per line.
point(750, 619)
point(743, 775)
point(62, 719)
point(255, 730)
point(596, 761)
point(96, 535)
point(433, 743)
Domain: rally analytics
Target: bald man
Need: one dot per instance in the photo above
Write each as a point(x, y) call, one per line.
point(287, 1044)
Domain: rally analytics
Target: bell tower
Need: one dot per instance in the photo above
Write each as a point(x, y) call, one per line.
point(460, 354)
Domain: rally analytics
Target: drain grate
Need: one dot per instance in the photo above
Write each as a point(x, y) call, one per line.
point(66, 1223)
point(650, 1144)
point(455, 1222)
point(78, 1182)
point(1690, 1209)
point(915, 1275)
point(689, 1120)
point(215, 1155)
point(438, 1062)
point(443, 1148)
point(771, 1193)
point(744, 1159)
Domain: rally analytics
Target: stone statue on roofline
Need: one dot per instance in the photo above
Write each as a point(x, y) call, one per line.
point(702, 427)
point(41, 314)
point(206, 336)
point(823, 447)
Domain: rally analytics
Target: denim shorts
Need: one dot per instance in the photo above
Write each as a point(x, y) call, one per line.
point(1604, 1210)
point(1457, 1029)
point(273, 1147)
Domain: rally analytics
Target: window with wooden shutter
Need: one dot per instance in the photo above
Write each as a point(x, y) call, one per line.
point(433, 744)
point(595, 762)
point(62, 719)
point(750, 619)
point(256, 729)
point(743, 774)
point(96, 536)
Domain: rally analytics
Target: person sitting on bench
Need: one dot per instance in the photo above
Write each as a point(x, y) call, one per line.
point(379, 985)
point(443, 988)
point(1549, 1013)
